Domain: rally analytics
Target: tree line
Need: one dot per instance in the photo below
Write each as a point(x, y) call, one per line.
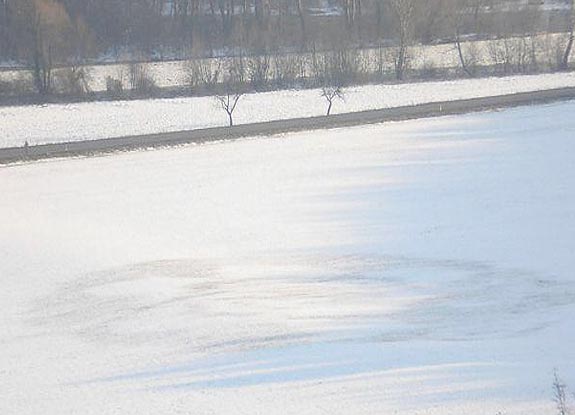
point(80, 29)
point(42, 34)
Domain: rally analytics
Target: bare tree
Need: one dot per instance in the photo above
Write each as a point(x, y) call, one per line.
point(44, 25)
point(226, 11)
point(4, 28)
point(301, 12)
point(331, 93)
point(567, 54)
point(462, 59)
point(352, 15)
point(404, 13)
point(457, 13)
point(559, 395)
point(232, 89)
point(228, 103)
point(141, 79)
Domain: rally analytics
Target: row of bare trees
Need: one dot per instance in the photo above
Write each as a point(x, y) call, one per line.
point(230, 97)
point(183, 27)
point(42, 34)
point(266, 71)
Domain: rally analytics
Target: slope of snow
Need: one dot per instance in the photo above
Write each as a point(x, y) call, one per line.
point(414, 267)
point(88, 121)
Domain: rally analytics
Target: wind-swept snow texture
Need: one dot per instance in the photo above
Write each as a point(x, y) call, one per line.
point(415, 267)
point(55, 123)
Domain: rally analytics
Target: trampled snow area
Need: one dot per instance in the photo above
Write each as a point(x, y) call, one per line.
point(415, 267)
point(88, 121)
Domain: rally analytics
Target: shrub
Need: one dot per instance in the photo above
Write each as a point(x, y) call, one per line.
point(141, 80)
point(114, 87)
point(202, 74)
point(19, 85)
point(73, 81)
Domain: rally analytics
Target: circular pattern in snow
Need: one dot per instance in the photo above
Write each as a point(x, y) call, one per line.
point(217, 306)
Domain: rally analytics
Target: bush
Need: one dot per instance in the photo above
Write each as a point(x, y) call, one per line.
point(340, 67)
point(73, 81)
point(552, 48)
point(141, 80)
point(114, 87)
point(287, 70)
point(202, 74)
point(429, 71)
point(259, 70)
point(16, 87)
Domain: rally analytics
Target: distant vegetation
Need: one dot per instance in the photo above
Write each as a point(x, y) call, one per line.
point(271, 43)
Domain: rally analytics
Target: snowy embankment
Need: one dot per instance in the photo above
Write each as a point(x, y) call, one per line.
point(89, 121)
point(414, 267)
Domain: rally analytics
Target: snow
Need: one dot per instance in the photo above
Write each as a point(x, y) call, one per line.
point(88, 121)
point(414, 267)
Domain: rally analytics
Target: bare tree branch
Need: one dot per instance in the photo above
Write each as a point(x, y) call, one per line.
point(331, 93)
point(228, 103)
point(559, 395)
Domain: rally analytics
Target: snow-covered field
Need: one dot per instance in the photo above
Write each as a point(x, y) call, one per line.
point(88, 121)
point(414, 267)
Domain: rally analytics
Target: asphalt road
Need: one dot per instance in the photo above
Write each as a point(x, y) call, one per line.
point(91, 147)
